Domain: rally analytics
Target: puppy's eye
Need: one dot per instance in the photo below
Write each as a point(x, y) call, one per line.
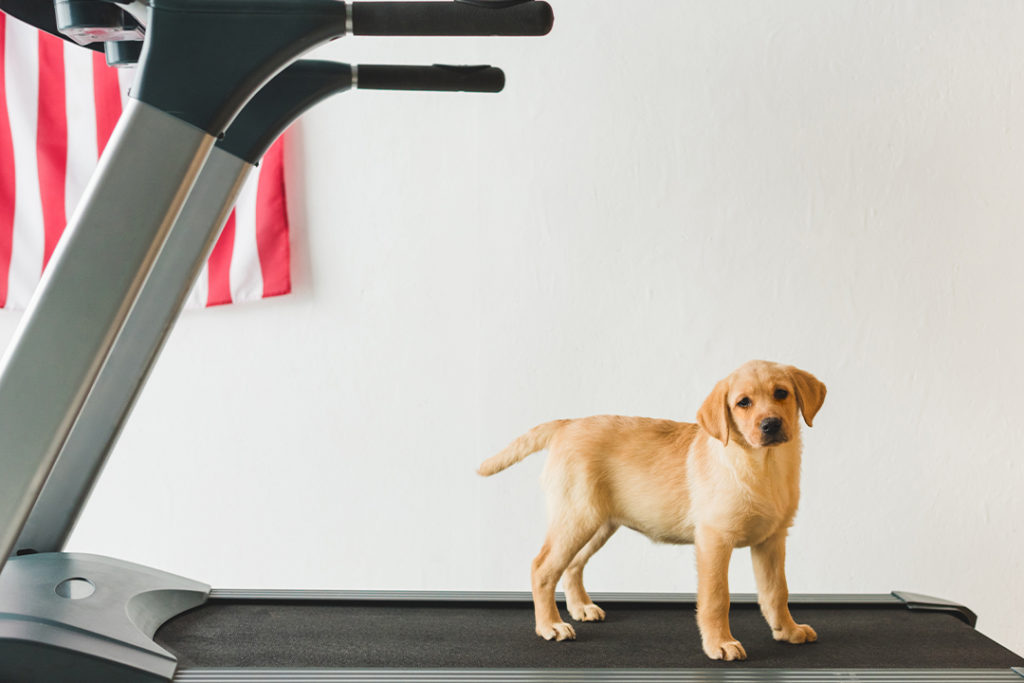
point(781, 394)
point(744, 402)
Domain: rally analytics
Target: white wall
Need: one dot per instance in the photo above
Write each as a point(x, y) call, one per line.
point(664, 190)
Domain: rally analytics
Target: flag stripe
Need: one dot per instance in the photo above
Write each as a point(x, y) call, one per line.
point(271, 220)
point(81, 113)
point(22, 97)
point(51, 140)
point(219, 266)
point(246, 279)
point(7, 188)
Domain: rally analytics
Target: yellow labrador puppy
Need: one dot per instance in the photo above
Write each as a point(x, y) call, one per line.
point(729, 481)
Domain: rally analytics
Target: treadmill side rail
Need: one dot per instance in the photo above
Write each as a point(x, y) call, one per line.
point(930, 604)
point(74, 617)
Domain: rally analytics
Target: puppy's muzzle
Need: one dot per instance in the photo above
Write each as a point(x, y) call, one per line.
point(771, 431)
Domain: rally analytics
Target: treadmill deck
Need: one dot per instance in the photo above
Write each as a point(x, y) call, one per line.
point(367, 633)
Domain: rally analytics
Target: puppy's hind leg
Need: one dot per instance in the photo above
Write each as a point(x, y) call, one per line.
point(580, 606)
point(564, 541)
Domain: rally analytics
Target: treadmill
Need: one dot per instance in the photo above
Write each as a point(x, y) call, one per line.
point(218, 81)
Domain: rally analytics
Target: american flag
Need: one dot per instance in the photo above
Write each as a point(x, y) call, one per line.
point(58, 106)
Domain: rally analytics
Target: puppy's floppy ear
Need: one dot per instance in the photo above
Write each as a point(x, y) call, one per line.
point(810, 393)
point(713, 416)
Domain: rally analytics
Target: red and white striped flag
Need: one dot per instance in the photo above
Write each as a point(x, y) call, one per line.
point(58, 106)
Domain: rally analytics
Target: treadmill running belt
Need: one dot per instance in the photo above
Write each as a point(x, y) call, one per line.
point(500, 635)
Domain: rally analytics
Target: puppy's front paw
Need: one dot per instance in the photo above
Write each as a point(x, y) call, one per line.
point(725, 650)
point(796, 634)
point(556, 631)
point(589, 612)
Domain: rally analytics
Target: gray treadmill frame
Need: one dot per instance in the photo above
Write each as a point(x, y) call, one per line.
point(68, 330)
point(134, 352)
point(128, 602)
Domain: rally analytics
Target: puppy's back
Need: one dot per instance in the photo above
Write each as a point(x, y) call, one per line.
point(624, 434)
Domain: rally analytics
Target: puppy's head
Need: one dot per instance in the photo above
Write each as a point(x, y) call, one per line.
point(759, 403)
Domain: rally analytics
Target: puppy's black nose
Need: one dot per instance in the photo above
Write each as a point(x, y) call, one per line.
point(771, 425)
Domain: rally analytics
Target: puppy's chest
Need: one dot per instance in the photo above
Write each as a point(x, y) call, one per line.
point(752, 511)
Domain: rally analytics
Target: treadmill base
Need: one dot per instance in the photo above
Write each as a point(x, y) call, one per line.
point(67, 616)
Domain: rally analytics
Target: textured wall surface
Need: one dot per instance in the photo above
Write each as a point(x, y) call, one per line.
point(663, 191)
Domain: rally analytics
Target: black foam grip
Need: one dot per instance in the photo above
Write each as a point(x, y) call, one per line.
point(437, 77)
point(459, 18)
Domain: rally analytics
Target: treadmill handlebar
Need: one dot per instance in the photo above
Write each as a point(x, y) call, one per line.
point(439, 77)
point(458, 18)
point(227, 49)
point(307, 82)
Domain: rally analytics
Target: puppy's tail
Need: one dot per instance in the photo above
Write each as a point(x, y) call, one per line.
point(532, 441)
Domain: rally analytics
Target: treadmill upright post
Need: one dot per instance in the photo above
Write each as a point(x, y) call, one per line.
point(131, 202)
point(84, 453)
point(95, 272)
point(161, 298)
